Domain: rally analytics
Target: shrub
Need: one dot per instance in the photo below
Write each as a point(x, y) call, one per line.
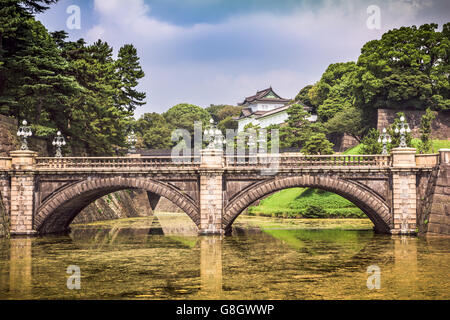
point(314, 211)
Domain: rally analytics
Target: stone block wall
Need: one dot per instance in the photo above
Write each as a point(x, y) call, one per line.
point(440, 125)
point(342, 142)
point(21, 218)
point(117, 205)
point(9, 141)
point(4, 205)
point(8, 138)
point(439, 217)
point(211, 202)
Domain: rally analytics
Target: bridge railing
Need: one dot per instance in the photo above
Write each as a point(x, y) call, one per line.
point(309, 160)
point(108, 163)
point(5, 163)
point(427, 160)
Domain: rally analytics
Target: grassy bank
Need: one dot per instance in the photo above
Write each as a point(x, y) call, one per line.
point(306, 203)
point(437, 144)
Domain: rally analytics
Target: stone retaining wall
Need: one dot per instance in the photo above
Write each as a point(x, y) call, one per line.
point(9, 141)
point(439, 218)
point(117, 205)
point(440, 126)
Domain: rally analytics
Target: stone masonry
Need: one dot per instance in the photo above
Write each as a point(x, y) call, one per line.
point(404, 190)
point(211, 196)
point(439, 218)
point(22, 193)
point(46, 194)
point(440, 125)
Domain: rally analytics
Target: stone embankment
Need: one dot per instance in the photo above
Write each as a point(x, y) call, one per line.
point(117, 205)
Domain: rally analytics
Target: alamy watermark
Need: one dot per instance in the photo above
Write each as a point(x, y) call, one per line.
point(373, 22)
point(253, 146)
point(74, 20)
point(74, 280)
point(374, 278)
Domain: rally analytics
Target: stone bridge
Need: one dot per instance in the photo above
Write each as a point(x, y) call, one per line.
point(397, 191)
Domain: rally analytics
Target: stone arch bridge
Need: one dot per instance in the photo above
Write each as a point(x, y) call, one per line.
point(43, 195)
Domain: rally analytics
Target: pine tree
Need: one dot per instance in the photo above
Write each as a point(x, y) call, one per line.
point(129, 72)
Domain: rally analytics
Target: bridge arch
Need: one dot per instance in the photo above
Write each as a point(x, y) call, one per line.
point(57, 212)
point(369, 202)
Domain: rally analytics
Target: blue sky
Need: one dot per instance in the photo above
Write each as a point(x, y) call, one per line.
point(219, 51)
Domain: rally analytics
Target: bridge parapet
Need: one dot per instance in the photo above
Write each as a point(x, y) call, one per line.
point(309, 160)
point(115, 163)
point(5, 163)
point(427, 160)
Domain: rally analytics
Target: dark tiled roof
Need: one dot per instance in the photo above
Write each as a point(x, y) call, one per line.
point(259, 96)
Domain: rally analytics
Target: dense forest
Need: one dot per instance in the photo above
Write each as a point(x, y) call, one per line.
point(82, 90)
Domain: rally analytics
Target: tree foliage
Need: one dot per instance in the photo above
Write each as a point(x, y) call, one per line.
point(154, 131)
point(370, 144)
point(56, 84)
point(425, 144)
point(183, 116)
point(407, 68)
point(317, 144)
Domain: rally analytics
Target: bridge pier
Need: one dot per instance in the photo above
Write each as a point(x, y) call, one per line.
point(22, 192)
point(404, 193)
point(211, 192)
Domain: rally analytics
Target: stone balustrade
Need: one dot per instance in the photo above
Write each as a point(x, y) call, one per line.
point(309, 160)
point(114, 163)
point(427, 160)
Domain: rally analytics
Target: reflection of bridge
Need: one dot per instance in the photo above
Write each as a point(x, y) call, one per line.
point(211, 264)
point(43, 195)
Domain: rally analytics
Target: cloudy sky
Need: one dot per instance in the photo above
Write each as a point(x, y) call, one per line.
point(219, 51)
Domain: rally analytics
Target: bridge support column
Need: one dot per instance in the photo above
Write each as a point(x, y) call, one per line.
point(404, 195)
point(22, 192)
point(211, 194)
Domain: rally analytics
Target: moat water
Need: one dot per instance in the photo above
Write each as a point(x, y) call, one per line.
point(161, 257)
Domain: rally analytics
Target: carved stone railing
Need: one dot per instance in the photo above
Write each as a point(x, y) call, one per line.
point(427, 160)
point(281, 160)
point(293, 161)
point(5, 163)
point(115, 163)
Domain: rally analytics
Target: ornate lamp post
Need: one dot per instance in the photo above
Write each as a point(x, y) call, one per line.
point(384, 138)
point(131, 140)
point(402, 128)
point(59, 141)
point(214, 136)
point(23, 133)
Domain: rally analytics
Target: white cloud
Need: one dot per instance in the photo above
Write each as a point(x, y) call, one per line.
point(231, 59)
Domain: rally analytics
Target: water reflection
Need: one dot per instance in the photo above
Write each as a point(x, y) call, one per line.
point(136, 259)
point(211, 265)
point(20, 266)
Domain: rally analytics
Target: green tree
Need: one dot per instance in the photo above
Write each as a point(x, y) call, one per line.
point(36, 85)
point(317, 144)
point(406, 68)
point(129, 72)
point(304, 96)
point(227, 123)
point(96, 121)
point(370, 144)
point(154, 130)
point(349, 121)
point(425, 144)
point(183, 116)
point(334, 91)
